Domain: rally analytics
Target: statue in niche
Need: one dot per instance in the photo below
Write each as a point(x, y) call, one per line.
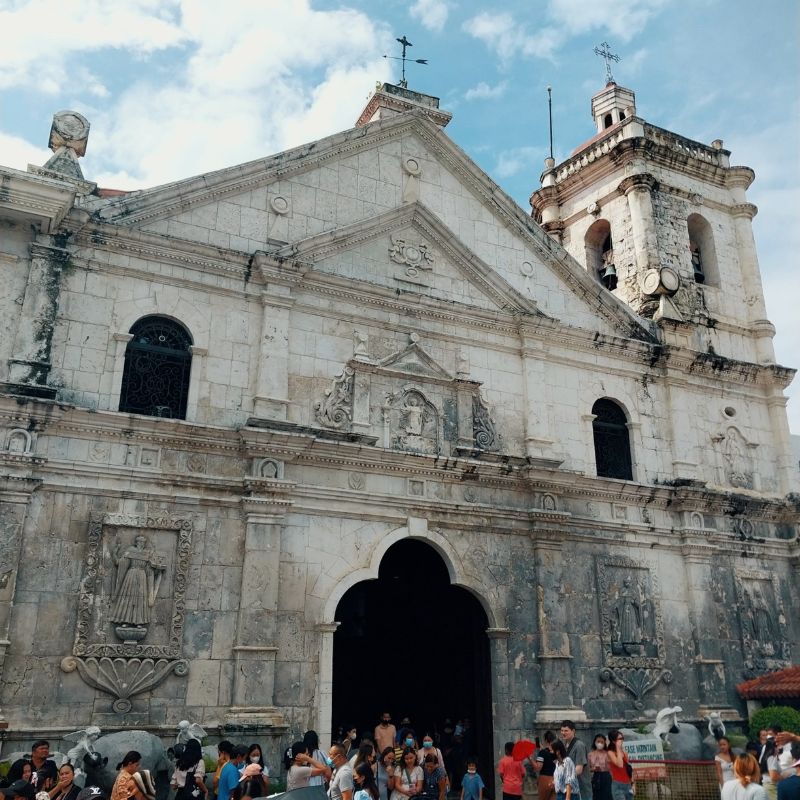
point(760, 621)
point(735, 460)
point(627, 621)
point(137, 577)
point(414, 415)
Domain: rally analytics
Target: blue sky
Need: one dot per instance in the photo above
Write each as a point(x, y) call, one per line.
point(174, 88)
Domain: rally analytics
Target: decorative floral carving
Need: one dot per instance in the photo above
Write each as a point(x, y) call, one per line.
point(483, 428)
point(638, 681)
point(356, 480)
point(336, 410)
point(124, 678)
point(415, 257)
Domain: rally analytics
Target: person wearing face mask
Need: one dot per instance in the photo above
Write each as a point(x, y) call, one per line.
point(364, 755)
point(384, 775)
point(428, 749)
point(408, 741)
point(341, 785)
point(472, 784)
point(254, 756)
point(385, 732)
point(598, 766)
point(349, 741)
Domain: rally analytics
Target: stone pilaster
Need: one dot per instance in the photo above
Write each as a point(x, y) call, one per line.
point(255, 647)
point(501, 687)
point(539, 443)
point(272, 387)
point(709, 662)
point(553, 653)
point(15, 496)
point(29, 366)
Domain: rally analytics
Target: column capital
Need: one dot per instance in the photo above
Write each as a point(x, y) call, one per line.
point(498, 633)
point(643, 182)
point(747, 210)
point(327, 627)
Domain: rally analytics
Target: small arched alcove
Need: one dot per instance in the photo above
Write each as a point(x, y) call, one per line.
point(702, 251)
point(600, 253)
point(415, 645)
point(612, 445)
point(158, 360)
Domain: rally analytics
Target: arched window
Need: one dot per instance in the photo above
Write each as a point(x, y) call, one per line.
point(607, 121)
point(612, 447)
point(702, 251)
point(155, 380)
point(600, 253)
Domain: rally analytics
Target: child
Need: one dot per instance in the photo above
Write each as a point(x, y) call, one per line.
point(472, 783)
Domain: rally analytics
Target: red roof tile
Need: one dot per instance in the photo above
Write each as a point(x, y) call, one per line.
point(784, 683)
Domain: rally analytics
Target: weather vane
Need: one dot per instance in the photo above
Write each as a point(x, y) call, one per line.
point(604, 51)
point(406, 44)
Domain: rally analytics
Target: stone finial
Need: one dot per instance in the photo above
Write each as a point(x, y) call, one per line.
point(69, 129)
point(69, 134)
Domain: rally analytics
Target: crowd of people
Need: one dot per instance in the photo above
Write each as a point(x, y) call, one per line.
point(390, 763)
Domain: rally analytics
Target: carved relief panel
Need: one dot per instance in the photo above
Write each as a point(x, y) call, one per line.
point(632, 629)
point(129, 633)
point(762, 621)
point(408, 401)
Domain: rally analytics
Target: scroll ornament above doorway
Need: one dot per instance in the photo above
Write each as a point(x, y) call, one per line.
point(408, 401)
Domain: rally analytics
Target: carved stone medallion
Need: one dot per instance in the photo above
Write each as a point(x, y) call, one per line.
point(416, 257)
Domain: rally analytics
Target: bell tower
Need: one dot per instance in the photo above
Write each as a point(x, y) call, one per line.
point(663, 222)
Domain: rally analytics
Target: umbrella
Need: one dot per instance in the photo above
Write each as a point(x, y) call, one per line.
point(523, 749)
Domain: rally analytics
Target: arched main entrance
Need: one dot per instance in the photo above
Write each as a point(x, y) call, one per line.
point(413, 644)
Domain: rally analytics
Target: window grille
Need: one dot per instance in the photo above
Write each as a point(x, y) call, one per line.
point(155, 381)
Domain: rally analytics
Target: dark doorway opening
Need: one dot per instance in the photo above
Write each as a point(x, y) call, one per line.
point(412, 644)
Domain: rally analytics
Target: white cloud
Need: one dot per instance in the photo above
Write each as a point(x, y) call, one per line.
point(483, 91)
point(254, 80)
point(18, 153)
point(41, 36)
point(509, 37)
point(622, 19)
point(431, 13)
point(506, 37)
point(513, 161)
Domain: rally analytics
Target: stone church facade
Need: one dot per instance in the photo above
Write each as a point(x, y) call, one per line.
point(223, 400)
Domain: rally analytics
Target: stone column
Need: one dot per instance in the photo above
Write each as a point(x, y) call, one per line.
point(465, 390)
point(325, 686)
point(271, 399)
point(684, 440)
point(636, 189)
point(501, 688)
point(29, 366)
point(15, 496)
point(255, 647)
point(743, 214)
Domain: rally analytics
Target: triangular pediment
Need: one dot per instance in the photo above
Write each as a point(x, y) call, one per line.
point(347, 180)
point(414, 361)
point(410, 250)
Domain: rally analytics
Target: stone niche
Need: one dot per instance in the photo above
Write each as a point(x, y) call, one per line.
point(409, 402)
point(129, 634)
